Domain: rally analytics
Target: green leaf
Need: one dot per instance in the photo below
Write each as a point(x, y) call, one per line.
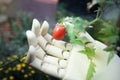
point(110, 48)
point(74, 25)
point(89, 51)
point(91, 71)
point(70, 32)
point(104, 31)
point(112, 52)
point(109, 33)
point(78, 41)
point(111, 55)
point(80, 24)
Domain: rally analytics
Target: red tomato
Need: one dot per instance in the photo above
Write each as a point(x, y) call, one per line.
point(59, 32)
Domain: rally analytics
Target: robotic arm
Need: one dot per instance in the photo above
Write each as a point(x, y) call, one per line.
point(63, 60)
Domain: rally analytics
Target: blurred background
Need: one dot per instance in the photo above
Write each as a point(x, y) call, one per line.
point(16, 17)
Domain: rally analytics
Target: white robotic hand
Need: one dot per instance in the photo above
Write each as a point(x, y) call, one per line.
point(63, 60)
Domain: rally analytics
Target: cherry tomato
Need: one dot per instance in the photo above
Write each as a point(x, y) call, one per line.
point(59, 32)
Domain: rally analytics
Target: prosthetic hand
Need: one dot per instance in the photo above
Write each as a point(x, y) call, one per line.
point(63, 60)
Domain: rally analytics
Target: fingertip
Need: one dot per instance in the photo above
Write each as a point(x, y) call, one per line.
point(31, 38)
point(44, 28)
point(30, 34)
point(36, 22)
point(36, 26)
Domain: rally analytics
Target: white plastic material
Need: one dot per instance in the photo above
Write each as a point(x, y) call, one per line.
point(32, 40)
point(42, 42)
point(64, 60)
point(39, 52)
point(58, 43)
point(66, 54)
point(54, 51)
point(50, 69)
point(36, 63)
point(36, 27)
point(63, 63)
point(51, 60)
point(48, 37)
point(44, 28)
